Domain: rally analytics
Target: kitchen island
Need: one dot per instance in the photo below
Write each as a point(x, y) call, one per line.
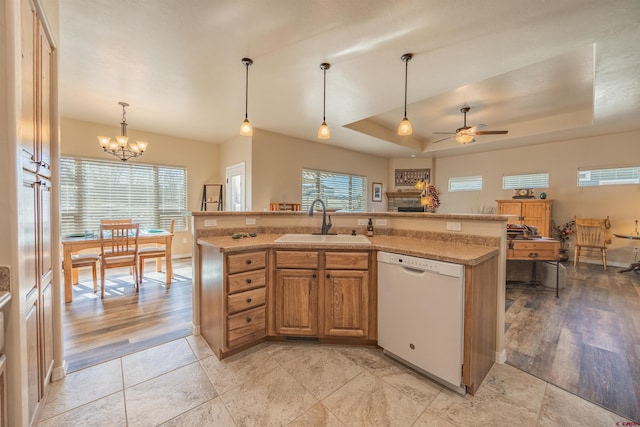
point(253, 289)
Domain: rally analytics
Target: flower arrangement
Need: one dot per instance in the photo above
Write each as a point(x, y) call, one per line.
point(563, 232)
point(430, 197)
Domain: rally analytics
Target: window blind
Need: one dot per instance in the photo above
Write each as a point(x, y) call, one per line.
point(465, 183)
point(91, 190)
point(533, 180)
point(338, 191)
point(610, 176)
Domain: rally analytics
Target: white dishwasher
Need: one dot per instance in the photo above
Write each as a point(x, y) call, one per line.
point(421, 315)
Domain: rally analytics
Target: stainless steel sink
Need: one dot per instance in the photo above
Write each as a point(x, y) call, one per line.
point(327, 239)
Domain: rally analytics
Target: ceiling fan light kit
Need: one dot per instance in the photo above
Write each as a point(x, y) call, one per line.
point(405, 127)
point(467, 134)
point(245, 127)
point(323, 131)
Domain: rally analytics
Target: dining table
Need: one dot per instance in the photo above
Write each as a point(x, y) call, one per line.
point(635, 265)
point(73, 243)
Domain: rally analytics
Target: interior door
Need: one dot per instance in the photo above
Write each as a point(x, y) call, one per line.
point(236, 188)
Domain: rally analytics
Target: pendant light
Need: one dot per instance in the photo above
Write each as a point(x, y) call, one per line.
point(323, 132)
point(405, 127)
point(245, 127)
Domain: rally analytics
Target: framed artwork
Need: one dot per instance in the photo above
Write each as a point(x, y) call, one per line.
point(376, 194)
point(409, 177)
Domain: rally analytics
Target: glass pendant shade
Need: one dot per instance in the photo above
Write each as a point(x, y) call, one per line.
point(142, 145)
point(464, 139)
point(122, 140)
point(405, 127)
point(245, 128)
point(323, 131)
point(104, 141)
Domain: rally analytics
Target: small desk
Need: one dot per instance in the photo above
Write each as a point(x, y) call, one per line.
point(542, 249)
point(635, 265)
point(75, 244)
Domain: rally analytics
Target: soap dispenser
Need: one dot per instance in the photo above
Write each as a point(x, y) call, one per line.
point(370, 228)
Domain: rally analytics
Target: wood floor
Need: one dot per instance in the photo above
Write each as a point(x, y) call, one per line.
point(97, 330)
point(587, 341)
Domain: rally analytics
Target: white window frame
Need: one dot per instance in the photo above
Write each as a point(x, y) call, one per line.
point(530, 180)
point(465, 183)
point(95, 189)
point(351, 197)
point(629, 175)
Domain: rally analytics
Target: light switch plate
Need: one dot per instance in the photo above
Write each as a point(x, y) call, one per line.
point(454, 226)
point(381, 222)
point(363, 222)
point(250, 221)
point(210, 222)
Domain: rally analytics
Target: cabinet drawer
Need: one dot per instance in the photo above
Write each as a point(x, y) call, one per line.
point(297, 259)
point(238, 263)
point(245, 300)
point(244, 281)
point(347, 260)
point(531, 254)
point(246, 327)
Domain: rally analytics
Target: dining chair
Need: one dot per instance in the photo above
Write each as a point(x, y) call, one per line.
point(592, 234)
point(119, 248)
point(85, 260)
point(115, 221)
point(152, 252)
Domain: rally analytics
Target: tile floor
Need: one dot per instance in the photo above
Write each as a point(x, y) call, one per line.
point(181, 383)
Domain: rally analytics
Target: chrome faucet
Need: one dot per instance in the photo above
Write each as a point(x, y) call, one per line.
point(325, 226)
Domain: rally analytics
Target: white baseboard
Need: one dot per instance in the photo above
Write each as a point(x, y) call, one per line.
point(501, 357)
point(60, 372)
point(195, 329)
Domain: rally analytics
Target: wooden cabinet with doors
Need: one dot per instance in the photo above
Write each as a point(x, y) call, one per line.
point(323, 294)
point(533, 212)
point(35, 215)
point(233, 298)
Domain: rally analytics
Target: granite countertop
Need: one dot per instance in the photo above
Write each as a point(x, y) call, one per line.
point(433, 249)
point(5, 285)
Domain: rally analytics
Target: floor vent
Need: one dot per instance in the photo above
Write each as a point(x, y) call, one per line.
point(306, 339)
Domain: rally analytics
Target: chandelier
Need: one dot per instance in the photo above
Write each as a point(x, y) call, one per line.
point(121, 147)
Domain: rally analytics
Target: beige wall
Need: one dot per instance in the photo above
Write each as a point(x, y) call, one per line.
point(201, 159)
point(278, 161)
point(561, 160)
point(415, 163)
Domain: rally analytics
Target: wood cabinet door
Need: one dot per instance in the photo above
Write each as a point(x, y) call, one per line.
point(346, 303)
point(33, 377)
point(28, 233)
point(511, 209)
point(537, 214)
point(28, 88)
point(46, 302)
point(45, 250)
point(43, 104)
point(296, 293)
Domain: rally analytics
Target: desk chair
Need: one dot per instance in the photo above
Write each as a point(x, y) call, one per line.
point(119, 248)
point(152, 252)
point(592, 234)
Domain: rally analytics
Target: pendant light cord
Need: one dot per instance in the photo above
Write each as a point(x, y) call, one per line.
point(406, 74)
point(246, 93)
point(324, 94)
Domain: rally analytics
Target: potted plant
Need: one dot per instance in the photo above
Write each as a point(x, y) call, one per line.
point(562, 233)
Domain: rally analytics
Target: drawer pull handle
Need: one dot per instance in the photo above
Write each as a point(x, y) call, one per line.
point(328, 276)
point(248, 300)
point(533, 255)
point(249, 281)
point(314, 275)
point(248, 261)
point(248, 319)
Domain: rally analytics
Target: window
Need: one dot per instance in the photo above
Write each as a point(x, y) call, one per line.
point(465, 183)
point(91, 190)
point(611, 176)
point(337, 191)
point(533, 180)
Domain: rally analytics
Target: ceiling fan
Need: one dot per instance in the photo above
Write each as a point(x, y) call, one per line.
point(466, 134)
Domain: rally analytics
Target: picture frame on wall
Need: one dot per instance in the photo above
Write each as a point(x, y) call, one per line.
point(376, 192)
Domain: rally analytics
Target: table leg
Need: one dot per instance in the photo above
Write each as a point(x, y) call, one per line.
point(169, 272)
point(68, 282)
point(557, 279)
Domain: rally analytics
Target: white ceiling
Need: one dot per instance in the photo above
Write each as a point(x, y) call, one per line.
point(544, 70)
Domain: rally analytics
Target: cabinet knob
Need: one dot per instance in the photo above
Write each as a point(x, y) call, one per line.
point(328, 276)
point(412, 347)
point(314, 275)
point(248, 319)
point(248, 300)
point(249, 281)
point(533, 255)
point(248, 261)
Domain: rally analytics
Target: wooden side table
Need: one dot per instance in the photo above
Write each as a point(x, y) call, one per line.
point(534, 250)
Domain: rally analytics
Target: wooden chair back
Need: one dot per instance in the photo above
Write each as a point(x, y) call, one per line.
point(115, 221)
point(591, 233)
point(119, 248)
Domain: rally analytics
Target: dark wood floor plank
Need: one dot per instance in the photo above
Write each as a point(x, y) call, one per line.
point(587, 341)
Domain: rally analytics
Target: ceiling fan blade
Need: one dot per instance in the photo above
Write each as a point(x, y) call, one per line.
point(492, 132)
point(443, 139)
